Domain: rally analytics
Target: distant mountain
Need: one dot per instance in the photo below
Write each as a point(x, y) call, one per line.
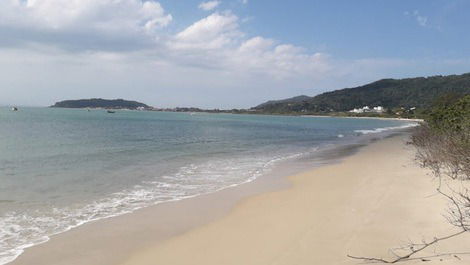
point(417, 92)
point(101, 103)
point(297, 99)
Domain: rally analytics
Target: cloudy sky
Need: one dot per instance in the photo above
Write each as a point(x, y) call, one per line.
point(223, 53)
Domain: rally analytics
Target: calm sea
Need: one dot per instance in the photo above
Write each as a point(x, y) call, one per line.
point(60, 168)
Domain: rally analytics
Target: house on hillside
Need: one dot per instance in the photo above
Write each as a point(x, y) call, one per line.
point(365, 109)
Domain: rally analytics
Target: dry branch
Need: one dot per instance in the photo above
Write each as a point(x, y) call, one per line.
point(447, 154)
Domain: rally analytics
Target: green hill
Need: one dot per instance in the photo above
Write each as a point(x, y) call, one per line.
point(297, 99)
point(417, 92)
point(100, 103)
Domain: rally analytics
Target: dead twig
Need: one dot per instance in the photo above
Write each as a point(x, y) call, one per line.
point(413, 250)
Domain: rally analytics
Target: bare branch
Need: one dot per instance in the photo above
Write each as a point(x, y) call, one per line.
point(447, 154)
point(414, 249)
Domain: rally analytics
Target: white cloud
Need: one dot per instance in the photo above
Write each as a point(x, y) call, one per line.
point(130, 27)
point(216, 42)
point(421, 20)
point(209, 5)
point(82, 22)
point(256, 44)
point(213, 32)
point(213, 54)
point(116, 48)
point(281, 61)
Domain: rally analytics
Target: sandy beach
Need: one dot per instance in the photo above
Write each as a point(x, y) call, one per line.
point(213, 132)
point(371, 202)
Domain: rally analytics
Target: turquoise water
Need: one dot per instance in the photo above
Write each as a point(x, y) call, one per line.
point(60, 168)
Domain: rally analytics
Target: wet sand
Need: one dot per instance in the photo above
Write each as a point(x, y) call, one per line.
point(372, 201)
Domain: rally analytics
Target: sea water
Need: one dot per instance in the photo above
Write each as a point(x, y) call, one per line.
point(60, 168)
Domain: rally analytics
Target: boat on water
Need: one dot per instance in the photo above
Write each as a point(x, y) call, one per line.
point(110, 111)
point(14, 109)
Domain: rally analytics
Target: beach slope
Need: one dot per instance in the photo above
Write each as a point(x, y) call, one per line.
point(374, 200)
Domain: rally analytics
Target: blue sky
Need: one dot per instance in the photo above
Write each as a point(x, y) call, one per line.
point(221, 54)
point(354, 29)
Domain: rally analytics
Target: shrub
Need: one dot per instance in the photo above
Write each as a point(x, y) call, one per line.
point(443, 141)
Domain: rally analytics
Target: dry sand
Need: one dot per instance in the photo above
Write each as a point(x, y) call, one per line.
point(373, 201)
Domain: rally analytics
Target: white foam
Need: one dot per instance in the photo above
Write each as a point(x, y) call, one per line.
point(20, 231)
point(379, 130)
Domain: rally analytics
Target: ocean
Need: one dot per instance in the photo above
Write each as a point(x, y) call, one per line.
point(60, 168)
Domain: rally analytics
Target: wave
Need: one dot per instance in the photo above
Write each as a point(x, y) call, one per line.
point(383, 129)
point(19, 231)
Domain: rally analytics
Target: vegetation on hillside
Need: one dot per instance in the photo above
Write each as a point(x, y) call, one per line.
point(298, 99)
point(396, 95)
point(101, 103)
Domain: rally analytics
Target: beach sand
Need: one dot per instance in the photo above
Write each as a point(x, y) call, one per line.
point(372, 201)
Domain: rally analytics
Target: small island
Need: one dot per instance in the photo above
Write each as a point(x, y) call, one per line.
point(96, 103)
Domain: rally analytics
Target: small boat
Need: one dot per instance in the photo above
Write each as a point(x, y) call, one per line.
point(110, 111)
point(14, 109)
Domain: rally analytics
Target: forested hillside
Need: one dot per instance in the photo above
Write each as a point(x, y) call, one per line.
point(390, 93)
point(100, 103)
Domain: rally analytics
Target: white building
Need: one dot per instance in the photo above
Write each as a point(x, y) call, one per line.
point(356, 111)
point(378, 109)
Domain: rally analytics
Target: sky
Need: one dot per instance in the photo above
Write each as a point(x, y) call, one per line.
point(221, 53)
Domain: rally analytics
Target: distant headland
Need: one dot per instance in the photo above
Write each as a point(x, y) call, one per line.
point(102, 103)
point(386, 98)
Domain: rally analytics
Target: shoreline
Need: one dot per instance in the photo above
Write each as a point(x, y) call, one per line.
point(154, 223)
point(374, 200)
point(111, 205)
point(230, 195)
point(244, 113)
point(359, 117)
point(102, 239)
